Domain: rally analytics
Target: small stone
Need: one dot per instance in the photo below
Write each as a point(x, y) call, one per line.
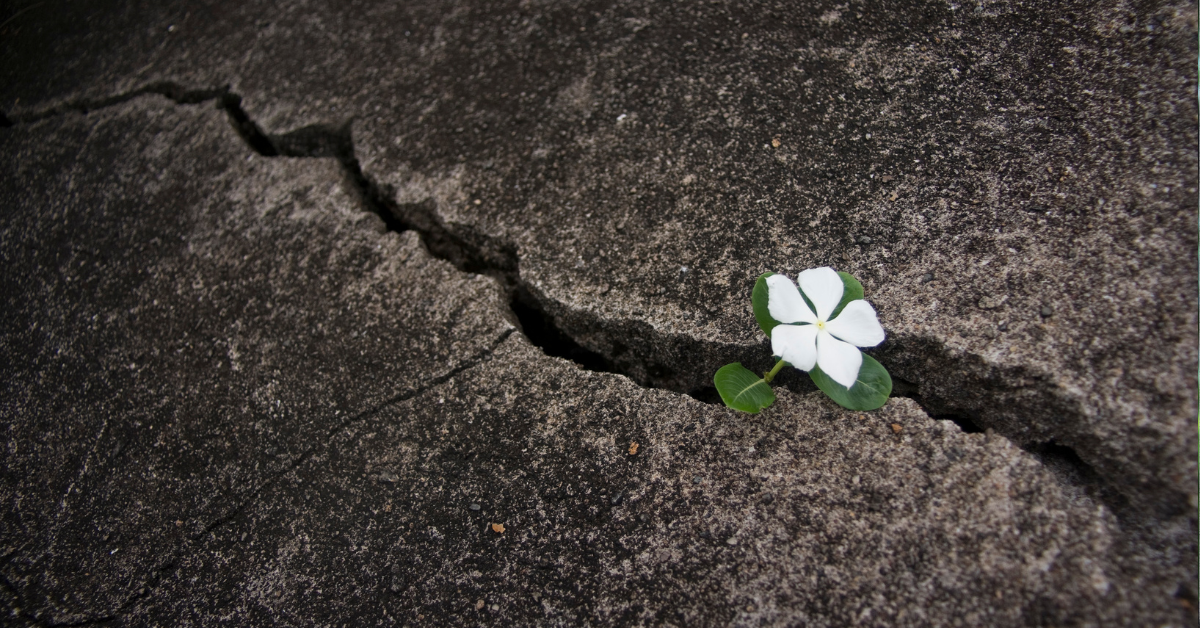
point(475, 506)
point(697, 479)
point(498, 528)
point(865, 240)
point(896, 427)
point(887, 178)
point(479, 605)
point(388, 476)
point(495, 607)
point(927, 277)
point(992, 302)
point(1047, 311)
point(633, 448)
point(1003, 326)
point(616, 499)
point(775, 142)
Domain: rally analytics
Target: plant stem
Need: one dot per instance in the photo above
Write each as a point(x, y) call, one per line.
point(770, 376)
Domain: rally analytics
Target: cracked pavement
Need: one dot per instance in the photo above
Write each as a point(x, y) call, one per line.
point(234, 393)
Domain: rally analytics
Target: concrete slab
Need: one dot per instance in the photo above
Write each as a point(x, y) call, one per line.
point(1015, 185)
point(185, 320)
point(806, 515)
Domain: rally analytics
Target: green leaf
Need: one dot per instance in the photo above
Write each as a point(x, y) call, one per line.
point(759, 299)
point(741, 389)
point(871, 391)
point(853, 291)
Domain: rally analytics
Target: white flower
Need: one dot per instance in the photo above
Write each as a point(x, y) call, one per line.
point(816, 340)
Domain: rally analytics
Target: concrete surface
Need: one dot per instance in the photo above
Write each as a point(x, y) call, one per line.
point(1015, 185)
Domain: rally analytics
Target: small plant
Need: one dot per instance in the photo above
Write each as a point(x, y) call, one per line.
point(817, 328)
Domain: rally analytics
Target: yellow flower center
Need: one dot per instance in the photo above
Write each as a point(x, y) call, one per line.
point(821, 325)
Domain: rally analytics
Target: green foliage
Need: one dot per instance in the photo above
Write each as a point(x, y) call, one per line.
point(853, 291)
point(741, 389)
point(759, 299)
point(870, 391)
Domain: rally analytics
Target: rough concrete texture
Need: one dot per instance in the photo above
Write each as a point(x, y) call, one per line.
point(184, 320)
point(807, 515)
point(1015, 185)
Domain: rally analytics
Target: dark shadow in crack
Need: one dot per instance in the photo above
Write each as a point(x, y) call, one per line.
point(540, 329)
point(245, 127)
point(905, 388)
point(4, 121)
point(478, 253)
point(323, 140)
point(167, 89)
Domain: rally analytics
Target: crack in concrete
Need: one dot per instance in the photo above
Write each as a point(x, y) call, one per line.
point(169, 565)
point(167, 89)
point(532, 310)
point(538, 325)
point(481, 255)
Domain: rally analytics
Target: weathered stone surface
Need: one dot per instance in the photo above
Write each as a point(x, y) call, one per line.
point(1015, 185)
point(184, 320)
point(806, 515)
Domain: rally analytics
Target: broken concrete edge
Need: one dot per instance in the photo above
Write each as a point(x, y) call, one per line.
point(164, 568)
point(601, 342)
point(168, 89)
point(427, 207)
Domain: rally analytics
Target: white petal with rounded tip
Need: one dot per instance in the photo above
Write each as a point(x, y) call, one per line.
point(839, 360)
point(823, 287)
point(784, 302)
point(857, 324)
point(796, 344)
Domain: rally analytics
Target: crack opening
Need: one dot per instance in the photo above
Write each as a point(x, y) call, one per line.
point(706, 394)
point(4, 121)
point(540, 329)
point(910, 390)
point(478, 253)
point(245, 127)
point(324, 140)
point(166, 89)
point(1064, 462)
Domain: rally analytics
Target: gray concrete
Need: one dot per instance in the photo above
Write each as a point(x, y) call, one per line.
point(1015, 186)
point(184, 321)
point(806, 515)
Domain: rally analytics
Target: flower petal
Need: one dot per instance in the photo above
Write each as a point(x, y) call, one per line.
point(784, 302)
point(839, 360)
point(824, 288)
point(857, 324)
point(796, 344)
